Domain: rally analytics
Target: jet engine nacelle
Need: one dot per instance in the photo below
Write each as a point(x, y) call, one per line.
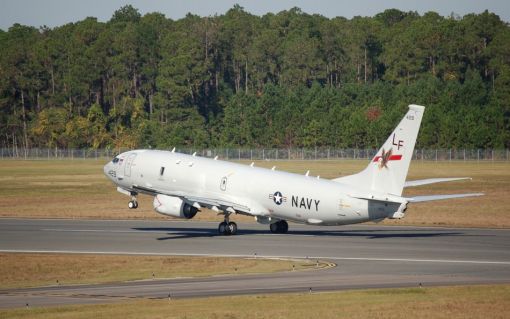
point(173, 206)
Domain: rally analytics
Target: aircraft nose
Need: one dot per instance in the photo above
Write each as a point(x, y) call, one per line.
point(106, 168)
point(109, 171)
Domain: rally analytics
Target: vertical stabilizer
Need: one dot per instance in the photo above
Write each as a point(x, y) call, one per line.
point(387, 171)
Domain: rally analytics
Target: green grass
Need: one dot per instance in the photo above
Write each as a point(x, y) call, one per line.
point(78, 189)
point(439, 302)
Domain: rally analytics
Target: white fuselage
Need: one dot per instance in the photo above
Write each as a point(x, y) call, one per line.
point(270, 194)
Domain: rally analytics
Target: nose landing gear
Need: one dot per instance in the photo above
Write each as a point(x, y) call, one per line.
point(133, 203)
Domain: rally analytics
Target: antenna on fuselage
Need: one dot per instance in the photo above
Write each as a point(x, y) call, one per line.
point(273, 168)
point(173, 150)
point(194, 154)
point(252, 163)
point(307, 173)
point(216, 158)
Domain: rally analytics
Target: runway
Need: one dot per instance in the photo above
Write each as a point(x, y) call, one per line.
point(366, 256)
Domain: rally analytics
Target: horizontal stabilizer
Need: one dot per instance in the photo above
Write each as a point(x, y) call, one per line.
point(379, 198)
point(428, 198)
point(433, 181)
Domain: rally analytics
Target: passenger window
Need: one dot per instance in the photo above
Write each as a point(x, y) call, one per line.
point(161, 171)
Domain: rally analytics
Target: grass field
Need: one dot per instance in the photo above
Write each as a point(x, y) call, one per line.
point(440, 302)
point(32, 270)
point(78, 189)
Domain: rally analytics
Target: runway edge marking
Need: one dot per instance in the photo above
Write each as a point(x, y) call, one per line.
point(485, 262)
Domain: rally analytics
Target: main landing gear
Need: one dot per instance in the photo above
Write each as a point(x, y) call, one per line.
point(227, 227)
point(280, 227)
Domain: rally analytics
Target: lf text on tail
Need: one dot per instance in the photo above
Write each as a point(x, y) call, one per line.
point(184, 184)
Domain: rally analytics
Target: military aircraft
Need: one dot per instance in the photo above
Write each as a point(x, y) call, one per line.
point(184, 184)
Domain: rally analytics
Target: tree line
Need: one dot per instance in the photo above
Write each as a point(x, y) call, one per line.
point(289, 79)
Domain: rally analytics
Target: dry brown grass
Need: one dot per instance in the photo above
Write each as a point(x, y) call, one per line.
point(63, 189)
point(491, 210)
point(31, 270)
point(443, 302)
point(78, 189)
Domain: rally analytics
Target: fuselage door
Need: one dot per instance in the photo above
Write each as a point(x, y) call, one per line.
point(129, 163)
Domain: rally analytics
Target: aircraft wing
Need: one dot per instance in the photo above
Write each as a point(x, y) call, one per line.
point(201, 199)
point(210, 202)
point(427, 181)
point(427, 198)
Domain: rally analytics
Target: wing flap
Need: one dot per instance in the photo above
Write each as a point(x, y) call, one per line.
point(210, 202)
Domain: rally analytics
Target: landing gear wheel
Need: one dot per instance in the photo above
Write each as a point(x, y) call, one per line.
point(133, 204)
point(222, 228)
point(284, 227)
point(232, 228)
point(227, 229)
point(280, 227)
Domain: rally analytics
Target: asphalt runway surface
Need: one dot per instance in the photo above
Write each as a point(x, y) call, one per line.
point(364, 256)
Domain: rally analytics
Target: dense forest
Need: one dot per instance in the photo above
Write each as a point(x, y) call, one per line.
point(280, 80)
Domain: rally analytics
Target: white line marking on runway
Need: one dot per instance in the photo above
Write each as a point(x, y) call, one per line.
point(389, 227)
point(420, 260)
point(484, 262)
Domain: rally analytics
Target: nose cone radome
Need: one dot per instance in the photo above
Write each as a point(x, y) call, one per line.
point(109, 171)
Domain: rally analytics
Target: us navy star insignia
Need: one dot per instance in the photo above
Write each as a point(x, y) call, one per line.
point(278, 198)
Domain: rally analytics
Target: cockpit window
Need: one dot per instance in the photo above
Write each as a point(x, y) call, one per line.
point(115, 160)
